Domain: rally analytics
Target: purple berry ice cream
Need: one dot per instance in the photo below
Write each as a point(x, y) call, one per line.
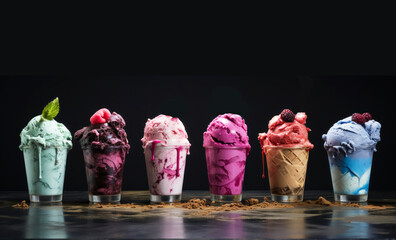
point(104, 144)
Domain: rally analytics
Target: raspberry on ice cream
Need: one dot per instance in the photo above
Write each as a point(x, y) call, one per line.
point(367, 116)
point(358, 118)
point(101, 116)
point(287, 115)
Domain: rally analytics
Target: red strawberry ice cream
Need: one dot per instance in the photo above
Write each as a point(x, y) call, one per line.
point(289, 133)
point(226, 146)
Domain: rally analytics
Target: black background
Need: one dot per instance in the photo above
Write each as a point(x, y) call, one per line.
point(196, 100)
point(249, 60)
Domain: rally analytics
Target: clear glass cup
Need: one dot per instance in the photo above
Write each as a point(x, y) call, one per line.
point(350, 174)
point(104, 169)
point(165, 172)
point(226, 171)
point(45, 172)
point(287, 169)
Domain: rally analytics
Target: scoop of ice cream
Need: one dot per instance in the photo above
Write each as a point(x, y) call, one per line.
point(348, 136)
point(286, 134)
point(47, 133)
point(105, 130)
point(227, 130)
point(166, 129)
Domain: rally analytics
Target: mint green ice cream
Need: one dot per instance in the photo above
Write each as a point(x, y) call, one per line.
point(45, 144)
point(45, 133)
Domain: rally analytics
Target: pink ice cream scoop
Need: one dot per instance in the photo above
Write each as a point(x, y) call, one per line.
point(165, 129)
point(226, 146)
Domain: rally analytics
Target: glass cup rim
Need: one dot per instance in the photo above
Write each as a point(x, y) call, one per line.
point(281, 147)
point(358, 149)
point(225, 147)
point(106, 147)
point(28, 147)
point(169, 146)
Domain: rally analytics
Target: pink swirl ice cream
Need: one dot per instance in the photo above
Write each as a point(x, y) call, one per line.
point(165, 147)
point(226, 145)
point(227, 130)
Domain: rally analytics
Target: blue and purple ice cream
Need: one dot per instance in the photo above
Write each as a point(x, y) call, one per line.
point(350, 144)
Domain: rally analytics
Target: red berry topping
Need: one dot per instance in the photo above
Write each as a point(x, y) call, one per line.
point(287, 115)
point(101, 116)
point(367, 116)
point(358, 118)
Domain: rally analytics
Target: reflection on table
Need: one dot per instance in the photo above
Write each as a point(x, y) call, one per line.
point(172, 225)
point(45, 221)
point(292, 225)
point(344, 228)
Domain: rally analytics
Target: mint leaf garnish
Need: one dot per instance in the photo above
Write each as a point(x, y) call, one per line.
point(51, 110)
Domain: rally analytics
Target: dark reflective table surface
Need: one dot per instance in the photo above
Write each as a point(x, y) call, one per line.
point(74, 218)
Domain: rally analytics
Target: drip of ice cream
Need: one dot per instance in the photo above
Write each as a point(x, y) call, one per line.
point(286, 134)
point(348, 136)
point(105, 130)
point(46, 133)
point(227, 130)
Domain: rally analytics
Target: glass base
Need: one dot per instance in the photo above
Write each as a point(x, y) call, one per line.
point(226, 198)
point(45, 198)
point(165, 198)
point(286, 198)
point(350, 198)
point(104, 198)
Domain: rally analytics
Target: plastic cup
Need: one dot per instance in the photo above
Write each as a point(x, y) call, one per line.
point(104, 168)
point(45, 172)
point(350, 175)
point(165, 172)
point(287, 169)
point(226, 170)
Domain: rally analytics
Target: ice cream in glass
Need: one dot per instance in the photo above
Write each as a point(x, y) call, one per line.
point(104, 144)
point(226, 146)
point(350, 144)
point(165, 147)
point(286, 148)
point(45, 144)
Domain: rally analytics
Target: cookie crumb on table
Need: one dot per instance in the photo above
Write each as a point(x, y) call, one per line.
point(23, 204)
